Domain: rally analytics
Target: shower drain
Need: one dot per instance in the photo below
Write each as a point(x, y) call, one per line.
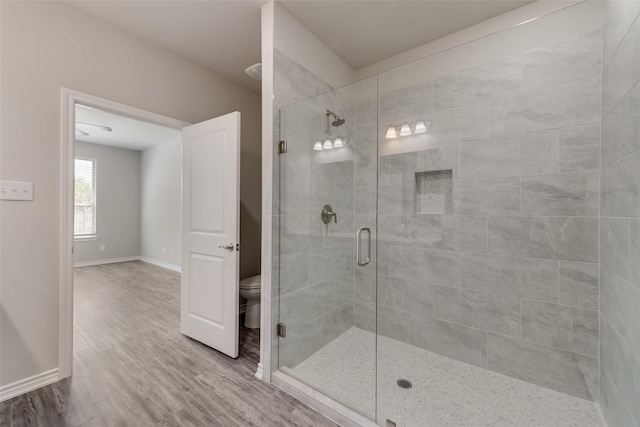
point(404, 383)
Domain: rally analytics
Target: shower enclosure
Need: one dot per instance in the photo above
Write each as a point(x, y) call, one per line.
point(439, 235)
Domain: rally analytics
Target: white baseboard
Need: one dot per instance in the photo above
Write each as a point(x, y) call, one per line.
point(28, 384)
point(160, 263)
point(260, 372)
point(126, 259)
point(105, 261)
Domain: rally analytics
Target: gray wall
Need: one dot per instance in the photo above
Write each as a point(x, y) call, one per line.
point(620, 221)
point(117, 201)
point(506, 280)
point(161, 203)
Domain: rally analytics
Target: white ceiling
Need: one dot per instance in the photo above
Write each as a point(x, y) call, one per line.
point(126, 132)
point(365, 32)
point(224, 36)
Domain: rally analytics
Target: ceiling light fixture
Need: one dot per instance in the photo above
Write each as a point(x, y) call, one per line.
point(90, 126)
point(254, 71)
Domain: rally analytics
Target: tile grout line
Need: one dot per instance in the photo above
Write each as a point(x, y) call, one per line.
point(621, 337)
point(624, 36)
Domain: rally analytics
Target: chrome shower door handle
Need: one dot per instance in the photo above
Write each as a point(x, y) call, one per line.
point(366, 261)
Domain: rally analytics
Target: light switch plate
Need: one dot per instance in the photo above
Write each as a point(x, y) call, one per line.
point(16, 190)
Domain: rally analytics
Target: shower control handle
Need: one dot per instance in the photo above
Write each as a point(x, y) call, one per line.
point(366, 261)
point(326, 213)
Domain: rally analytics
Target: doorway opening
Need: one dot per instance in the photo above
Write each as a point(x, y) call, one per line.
point(88, 234)
point(192, 198)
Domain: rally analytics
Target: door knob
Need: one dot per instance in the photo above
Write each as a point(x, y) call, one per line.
point(229, 247)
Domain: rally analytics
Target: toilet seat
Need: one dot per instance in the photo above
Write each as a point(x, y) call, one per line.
point(252, 282)
point(248, 293)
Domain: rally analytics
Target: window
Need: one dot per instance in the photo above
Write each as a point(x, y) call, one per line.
point(84, 219)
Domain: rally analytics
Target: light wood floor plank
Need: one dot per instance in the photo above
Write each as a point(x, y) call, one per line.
point(132, 367)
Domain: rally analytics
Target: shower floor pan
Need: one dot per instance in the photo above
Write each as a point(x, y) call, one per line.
point(444, 392)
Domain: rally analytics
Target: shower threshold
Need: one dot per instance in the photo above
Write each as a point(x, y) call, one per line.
point(444, 392)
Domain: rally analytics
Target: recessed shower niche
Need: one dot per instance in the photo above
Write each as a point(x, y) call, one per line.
point(434, 192)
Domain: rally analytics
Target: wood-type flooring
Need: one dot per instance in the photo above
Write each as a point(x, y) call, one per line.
point(132, 366)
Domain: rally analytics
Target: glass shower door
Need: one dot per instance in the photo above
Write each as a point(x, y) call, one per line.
point(327, 244)
point(469, 180)
point(488, 231)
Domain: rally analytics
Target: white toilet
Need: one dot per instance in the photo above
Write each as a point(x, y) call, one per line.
point(250, 289)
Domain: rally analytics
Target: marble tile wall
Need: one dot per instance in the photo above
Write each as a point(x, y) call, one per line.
point(620, 217)
point(312, 278)
point(508, 280)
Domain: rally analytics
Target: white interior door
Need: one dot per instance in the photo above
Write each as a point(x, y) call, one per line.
point(210, 232)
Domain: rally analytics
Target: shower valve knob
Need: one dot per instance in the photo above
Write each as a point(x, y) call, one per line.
point(327, 213)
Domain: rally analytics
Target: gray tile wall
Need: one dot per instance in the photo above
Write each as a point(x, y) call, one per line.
point(508, 280)
point(620, 217)
point(312, 283)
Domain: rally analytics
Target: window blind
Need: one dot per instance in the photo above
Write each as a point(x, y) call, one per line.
point(85, 197)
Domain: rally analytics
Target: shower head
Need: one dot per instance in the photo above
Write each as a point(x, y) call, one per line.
point(337, 121)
